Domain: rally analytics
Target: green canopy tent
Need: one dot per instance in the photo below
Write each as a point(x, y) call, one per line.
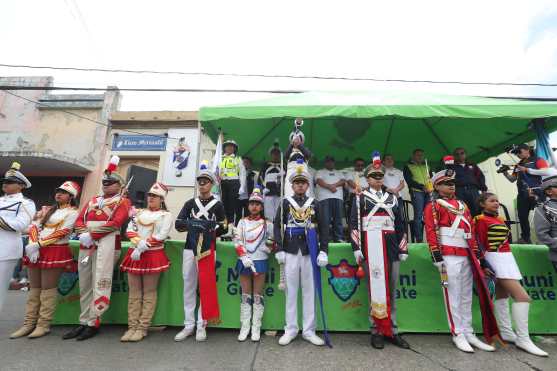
point(352, 124)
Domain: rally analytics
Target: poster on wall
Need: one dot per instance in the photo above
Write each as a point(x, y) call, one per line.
point(181, 157)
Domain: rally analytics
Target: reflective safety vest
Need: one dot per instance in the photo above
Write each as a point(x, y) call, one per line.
point(230, 167)
point(420, 175)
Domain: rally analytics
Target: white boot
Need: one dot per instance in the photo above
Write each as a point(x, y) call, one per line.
point(474, 341)
point(200, 334)
point(520, 316)
point(462, 344)
point(258, 309)
point(503, 315)
point(245, 318)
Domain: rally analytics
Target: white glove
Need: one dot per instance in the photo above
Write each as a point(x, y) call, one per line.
point(246, 261)
point(402, 257)
point(439, 265)
point(86, 240)
point(241, 191)
point(142, 246)
point(265, 191)
point(32, 251)
point(266, 249)
point(136, 254)
point(281, 257)
point(359, 256)
point(322, 259)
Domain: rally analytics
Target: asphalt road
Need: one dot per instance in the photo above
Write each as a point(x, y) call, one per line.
point(223, 352)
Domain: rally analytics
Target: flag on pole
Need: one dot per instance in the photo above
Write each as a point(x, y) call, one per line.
point(543, 144)
point(218, 157)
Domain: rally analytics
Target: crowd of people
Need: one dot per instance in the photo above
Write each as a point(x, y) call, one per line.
point(291, 212)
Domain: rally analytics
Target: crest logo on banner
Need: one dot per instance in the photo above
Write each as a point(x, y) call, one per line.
point(67, 282)
point(343, 279)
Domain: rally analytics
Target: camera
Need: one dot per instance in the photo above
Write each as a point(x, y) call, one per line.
point(502, 168)
point(513, 148)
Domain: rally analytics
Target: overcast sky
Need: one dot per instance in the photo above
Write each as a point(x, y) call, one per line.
point(511, 41)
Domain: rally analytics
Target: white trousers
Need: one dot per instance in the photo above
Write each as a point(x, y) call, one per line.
point(297, 269)
point(190, 274)
point(6, 270)
point(460, 279)
point(271, 205)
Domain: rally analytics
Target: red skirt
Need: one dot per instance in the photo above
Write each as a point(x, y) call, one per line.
point(53, 256)
point(152, 261)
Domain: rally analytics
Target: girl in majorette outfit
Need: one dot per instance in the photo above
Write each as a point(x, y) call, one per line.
point(253, 239)
point(47, 256)
point(145, 261)
point(492, 235)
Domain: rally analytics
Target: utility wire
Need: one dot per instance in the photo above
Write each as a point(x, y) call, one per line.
point(87, 118)
point(24, 87)
point(316, 77)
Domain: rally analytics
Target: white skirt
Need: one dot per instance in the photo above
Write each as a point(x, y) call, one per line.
point(504, 265)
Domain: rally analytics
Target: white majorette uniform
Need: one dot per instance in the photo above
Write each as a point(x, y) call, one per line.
point(16, 213)
point(98, 226)
point(454, 250)
point(252, 238)
point(48, 249)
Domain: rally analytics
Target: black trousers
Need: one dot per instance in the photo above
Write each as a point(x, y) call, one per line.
point(470, 195)
point(229, 195)
point(524, 204)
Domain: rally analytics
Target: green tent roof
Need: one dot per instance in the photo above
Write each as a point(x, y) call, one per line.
point(354, 123)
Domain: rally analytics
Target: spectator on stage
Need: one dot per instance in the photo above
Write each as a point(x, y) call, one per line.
point(330, 183)
point(353, 176)
point(251, 176)
point(418, 180)
point(394, 178)
point(469, 179)
point(545, 218)
point(270, 178)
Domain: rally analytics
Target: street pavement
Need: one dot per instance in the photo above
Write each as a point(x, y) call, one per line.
point(223, 352)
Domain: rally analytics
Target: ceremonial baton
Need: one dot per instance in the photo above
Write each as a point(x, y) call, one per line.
point(282, 277)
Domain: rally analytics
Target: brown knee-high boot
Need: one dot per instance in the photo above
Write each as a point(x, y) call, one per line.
point(134, 312)
point(49, 300)
point(31, 314)
point(147, 312)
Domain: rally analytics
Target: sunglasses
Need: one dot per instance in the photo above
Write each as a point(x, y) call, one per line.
point(376, 176)
point(448, 184)
point(203, 182)
point(107, 183)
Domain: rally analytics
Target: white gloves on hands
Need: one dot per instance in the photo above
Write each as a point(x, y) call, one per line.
point(322, 259)
point(246, 261)
point(136, 254)
point(86, 240)
point(32, 251)
point(281, 257)
point(439, 265)
point(359, 256)
point(241, 191)
point(402, 257)
point(141, 247)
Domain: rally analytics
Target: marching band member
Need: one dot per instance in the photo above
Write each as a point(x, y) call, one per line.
point(16, 214)
point(384, 246)
point(203, 218)
point(98, 226)
point(450, 235)
point(297, 155)
point(302, 258)
point(270, 177)
point(492, 235)
point(252, 238)
point(145, 261)
point(47, 255)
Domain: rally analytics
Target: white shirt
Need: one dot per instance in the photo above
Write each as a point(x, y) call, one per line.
point(329, 177)
point(16, 213)
point(393, 177)
point(352, 175)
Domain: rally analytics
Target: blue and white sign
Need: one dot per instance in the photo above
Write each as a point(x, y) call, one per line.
point(138, 143)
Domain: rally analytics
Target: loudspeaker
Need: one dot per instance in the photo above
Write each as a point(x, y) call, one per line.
point(143, 179)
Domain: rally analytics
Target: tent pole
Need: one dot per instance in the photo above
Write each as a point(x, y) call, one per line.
point(264, 136)
point(388, 141)
point(428, 125)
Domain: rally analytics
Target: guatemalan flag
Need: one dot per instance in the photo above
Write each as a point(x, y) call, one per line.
point(543, 145)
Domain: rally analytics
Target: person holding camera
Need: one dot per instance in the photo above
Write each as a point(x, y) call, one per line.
point(528, 177)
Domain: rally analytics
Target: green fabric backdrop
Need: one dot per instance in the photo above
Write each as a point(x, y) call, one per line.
point(420, 304)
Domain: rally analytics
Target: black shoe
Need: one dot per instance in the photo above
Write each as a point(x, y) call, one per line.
point(75, 332)
point(377, 341)
point(398, 341)
point(88, 333)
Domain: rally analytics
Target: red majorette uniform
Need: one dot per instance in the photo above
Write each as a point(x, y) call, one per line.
point(53, 236)
point(98, 226)
point(450, 235)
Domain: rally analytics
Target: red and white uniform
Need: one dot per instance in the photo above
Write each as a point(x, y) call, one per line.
point(53, 238)
point(102, 217)
point(493, 235)
point(153, 227)
point(450, 245)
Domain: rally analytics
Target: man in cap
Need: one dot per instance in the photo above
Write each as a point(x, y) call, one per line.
point(98, 226)
point(270, 177)
point(204, 220)
point(330, 183)
point(302, 255)
point(545, 216)
point(232, 175)
point(454, 251)
point(379, 244)
point(16, 214)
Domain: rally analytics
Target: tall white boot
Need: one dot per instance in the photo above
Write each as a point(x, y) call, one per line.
point(258, 309)
point(245, 317)
point(503, 315)
point(523, 341)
